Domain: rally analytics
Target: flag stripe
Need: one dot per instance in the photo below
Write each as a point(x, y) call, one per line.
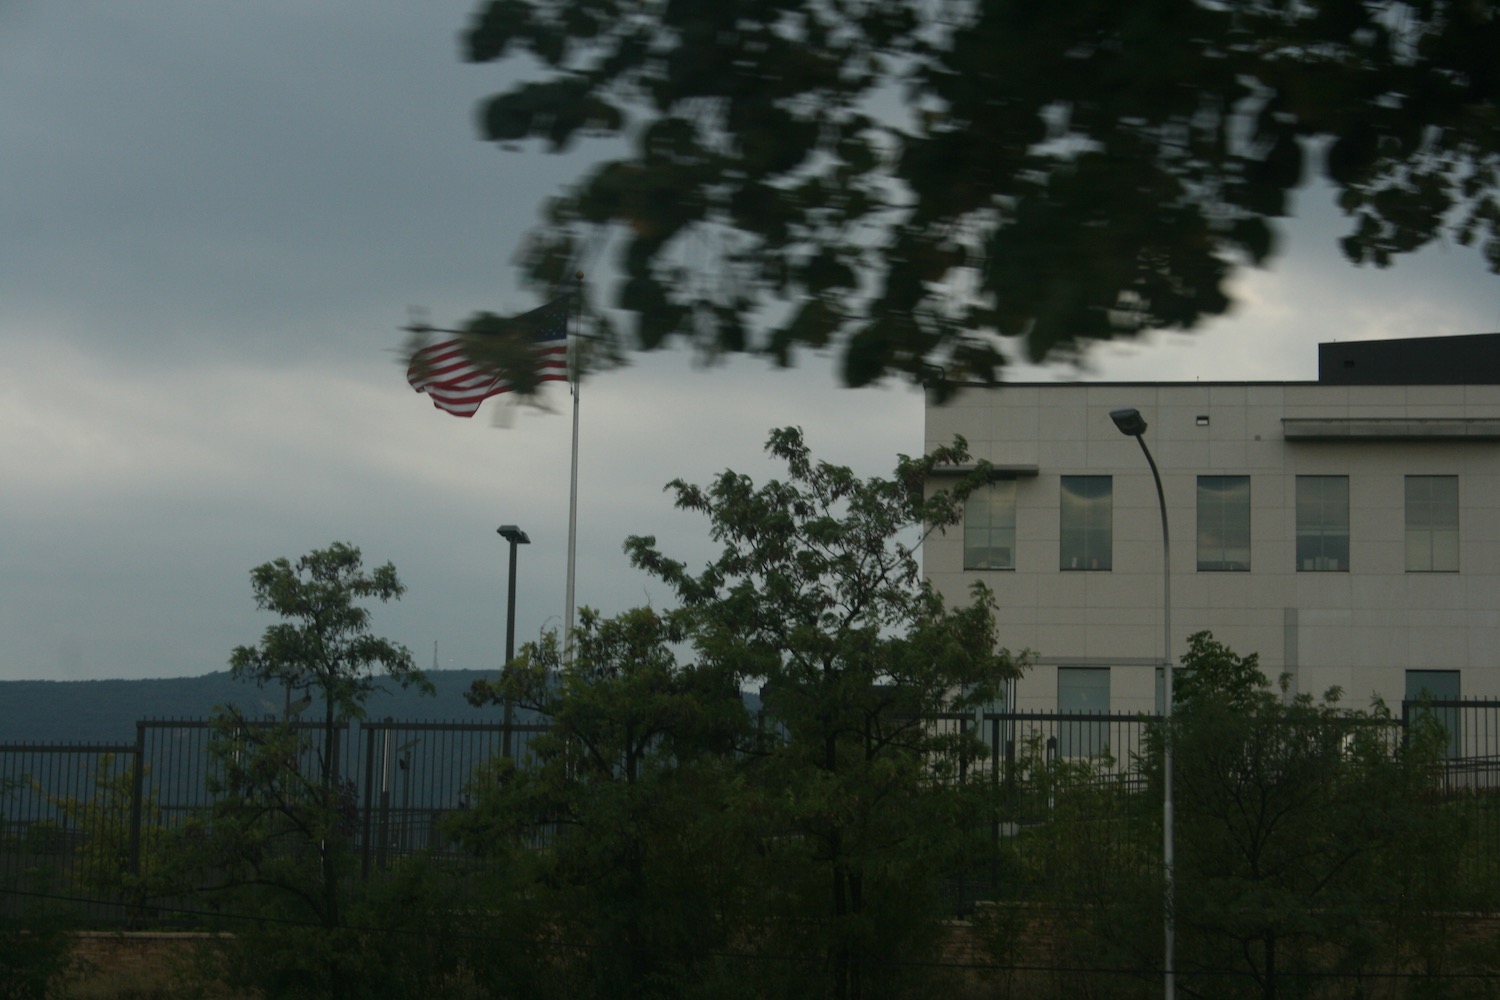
point(457, 383)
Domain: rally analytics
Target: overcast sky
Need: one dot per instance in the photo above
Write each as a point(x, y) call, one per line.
point(213, 220)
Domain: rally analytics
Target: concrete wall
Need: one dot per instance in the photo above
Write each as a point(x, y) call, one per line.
point(1360, 629)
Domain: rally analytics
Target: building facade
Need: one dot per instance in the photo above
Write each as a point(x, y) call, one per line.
point(1346, 530)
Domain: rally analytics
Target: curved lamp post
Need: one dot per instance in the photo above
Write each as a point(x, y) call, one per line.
point(515, 536)
point(1132, 424)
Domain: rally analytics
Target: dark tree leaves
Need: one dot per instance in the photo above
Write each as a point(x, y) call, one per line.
point(323, 644)
point(927, 177)
point(1299, 823)
point(816, 598)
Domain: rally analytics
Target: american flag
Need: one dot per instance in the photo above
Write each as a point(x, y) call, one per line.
point(457, 379)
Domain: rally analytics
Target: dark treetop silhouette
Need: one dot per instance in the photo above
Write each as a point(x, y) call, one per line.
point(905, 180)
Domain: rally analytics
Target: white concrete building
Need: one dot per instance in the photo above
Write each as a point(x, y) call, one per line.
point(1347, 530)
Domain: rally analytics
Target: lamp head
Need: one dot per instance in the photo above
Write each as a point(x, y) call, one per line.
point(513, 534)
point(1129, 420)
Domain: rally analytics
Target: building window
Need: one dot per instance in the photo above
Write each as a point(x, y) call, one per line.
point(1082, 691)
point(1224, 523)
point(1323, 524)
point(1423, 687)
point(1086, 515)
point(990, 527)
point(1432, 524)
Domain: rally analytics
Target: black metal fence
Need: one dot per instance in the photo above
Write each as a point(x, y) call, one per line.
point(416, 773)
point(68, 812)
point(64, 810)
point(1472, 732)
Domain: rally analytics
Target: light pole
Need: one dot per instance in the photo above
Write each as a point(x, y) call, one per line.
point(1132, 424)
point(515, 536)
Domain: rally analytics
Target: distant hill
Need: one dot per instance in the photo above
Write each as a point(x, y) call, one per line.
point(107, 711)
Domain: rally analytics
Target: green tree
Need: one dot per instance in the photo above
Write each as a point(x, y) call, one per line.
point(1081, 849)
point(817, 597)
point(131, 866)
point(621, 823)
point(283, 816)
point(36, 946)
point(36, 956)
point(907, 179)
point(324, 647)
point(1315, 857)
point(1297, 821)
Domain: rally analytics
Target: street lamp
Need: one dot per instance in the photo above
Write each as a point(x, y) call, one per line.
point(515, 536)
point(1132, 424)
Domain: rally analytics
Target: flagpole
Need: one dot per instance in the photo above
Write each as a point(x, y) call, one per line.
point(574, 382)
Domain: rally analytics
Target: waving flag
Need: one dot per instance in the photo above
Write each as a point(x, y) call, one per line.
point(493, 356)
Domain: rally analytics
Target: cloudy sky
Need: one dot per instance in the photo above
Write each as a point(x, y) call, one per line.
point(213, 221)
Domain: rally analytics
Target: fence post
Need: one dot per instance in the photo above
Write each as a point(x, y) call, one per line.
point(963, 758)
point(336, 767)
point(995, 811)
point(137, 791)
point(382, 853)
point(368, 736)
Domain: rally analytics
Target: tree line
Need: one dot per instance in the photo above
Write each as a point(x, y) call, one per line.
point(659, 840)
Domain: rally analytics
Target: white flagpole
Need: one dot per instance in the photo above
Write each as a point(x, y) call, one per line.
point(573, 382)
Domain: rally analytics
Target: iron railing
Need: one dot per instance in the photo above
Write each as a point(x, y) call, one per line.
point(69, 812)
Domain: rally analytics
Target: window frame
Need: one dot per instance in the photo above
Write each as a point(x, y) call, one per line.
point(1322, 530)
point(1083, 737)
point(1424, 538)
point(972, 513)
point(1425, 684)
point(1217, 515)
point(1095, 525)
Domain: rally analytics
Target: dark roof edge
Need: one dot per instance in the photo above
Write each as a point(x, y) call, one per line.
point(1468, 359)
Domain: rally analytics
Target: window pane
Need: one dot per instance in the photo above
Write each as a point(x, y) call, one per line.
point(1438, 685)
point(1085, 522)
point(1322, 524)
point(1224, 523)
point(1432, 524)
point(1082, 690)
point(990, 527)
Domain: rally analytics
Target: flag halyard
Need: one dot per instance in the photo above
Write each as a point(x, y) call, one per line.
point(493, 356)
